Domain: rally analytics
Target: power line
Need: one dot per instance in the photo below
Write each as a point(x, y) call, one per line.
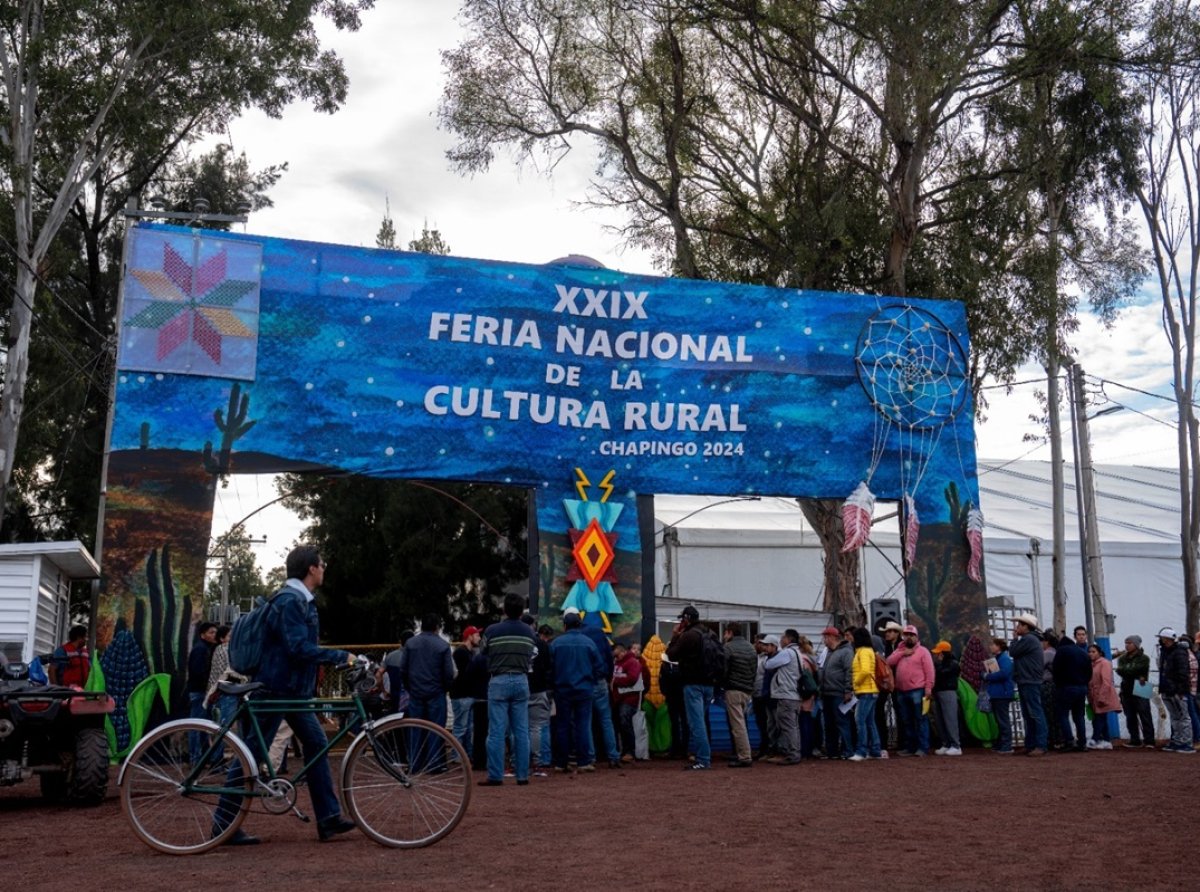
point(1157, 396)
point(1012, 384)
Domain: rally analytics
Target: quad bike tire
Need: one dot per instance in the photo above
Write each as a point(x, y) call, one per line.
point(87, 783)
point(85, 780)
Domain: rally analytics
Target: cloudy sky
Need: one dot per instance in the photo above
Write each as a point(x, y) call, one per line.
point(384, 145)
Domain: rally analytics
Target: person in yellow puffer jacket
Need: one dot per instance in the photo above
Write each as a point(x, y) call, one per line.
point(862, 675)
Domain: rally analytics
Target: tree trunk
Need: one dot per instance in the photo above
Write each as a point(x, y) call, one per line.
point(843, 594)
point(16, 370)
point(1058, 513)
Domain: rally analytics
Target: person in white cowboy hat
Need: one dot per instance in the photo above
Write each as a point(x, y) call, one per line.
point(1174, 682)
point(1026, 653)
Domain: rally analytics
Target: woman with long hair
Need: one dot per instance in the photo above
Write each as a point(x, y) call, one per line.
point(866, 690)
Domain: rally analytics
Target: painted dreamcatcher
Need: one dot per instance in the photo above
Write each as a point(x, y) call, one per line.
point(914, 372)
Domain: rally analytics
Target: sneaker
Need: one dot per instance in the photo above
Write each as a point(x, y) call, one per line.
point(590, 766)
point(882, 755)
point(920, 754)
point(1104, 745)
point(857, 758)
point(1008, 752)
point(1093, 745)
point(953, 751)
point(695, 766)
point(941, 751)
point(542, 772)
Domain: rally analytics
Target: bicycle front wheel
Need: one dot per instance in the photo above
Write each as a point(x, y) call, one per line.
point(406, 782)
point(177, 808)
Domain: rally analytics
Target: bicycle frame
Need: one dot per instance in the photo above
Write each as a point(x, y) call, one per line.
point(247, 715)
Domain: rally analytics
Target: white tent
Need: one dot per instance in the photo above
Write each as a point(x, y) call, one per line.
point(758, 561)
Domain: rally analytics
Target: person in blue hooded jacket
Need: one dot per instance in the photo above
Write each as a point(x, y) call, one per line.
point(1000, 689)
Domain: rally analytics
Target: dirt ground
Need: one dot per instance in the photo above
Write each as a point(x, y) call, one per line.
point(1065, 821)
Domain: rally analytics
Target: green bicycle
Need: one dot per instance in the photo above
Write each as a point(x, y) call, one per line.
point(405, 782)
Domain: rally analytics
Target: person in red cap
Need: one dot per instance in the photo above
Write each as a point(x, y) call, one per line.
point(913, 666)
point(461, 700)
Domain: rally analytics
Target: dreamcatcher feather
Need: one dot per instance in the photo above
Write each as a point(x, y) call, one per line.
point(912, 530)
point(975, 540)
point(857, 512)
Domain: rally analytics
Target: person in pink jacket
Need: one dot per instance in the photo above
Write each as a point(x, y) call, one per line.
point(913, 665)
point(1103, 697)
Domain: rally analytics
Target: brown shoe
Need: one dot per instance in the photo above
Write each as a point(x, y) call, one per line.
point(1036, 753)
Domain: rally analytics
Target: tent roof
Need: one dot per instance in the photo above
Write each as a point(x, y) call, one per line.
point(1137, 506)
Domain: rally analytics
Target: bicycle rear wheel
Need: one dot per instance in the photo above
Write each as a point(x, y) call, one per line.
point(406, 783)
point(177, 816)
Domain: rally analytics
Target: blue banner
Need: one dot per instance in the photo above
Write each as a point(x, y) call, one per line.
point(397, 364)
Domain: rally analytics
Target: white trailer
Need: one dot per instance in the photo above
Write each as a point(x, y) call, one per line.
point(35, 591)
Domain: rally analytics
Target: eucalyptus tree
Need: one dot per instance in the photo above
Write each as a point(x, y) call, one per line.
point(1066, 124)
point(1168, 193)
point(94, 93)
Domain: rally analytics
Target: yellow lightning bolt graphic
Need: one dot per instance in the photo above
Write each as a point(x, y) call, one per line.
point(581, 487)
point(606, 485)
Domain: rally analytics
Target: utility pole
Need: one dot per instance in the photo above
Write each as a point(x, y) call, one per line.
point(1089, 548)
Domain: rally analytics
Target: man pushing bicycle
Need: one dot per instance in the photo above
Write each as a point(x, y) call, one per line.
point(288, 671)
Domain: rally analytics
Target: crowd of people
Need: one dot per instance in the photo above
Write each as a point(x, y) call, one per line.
point(526, 700)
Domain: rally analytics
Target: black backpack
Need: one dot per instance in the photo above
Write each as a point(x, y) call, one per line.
point(712, 657)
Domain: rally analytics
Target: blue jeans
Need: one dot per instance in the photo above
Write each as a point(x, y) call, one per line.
point(868, 729)
point(1195, 716)
point(603, 711)
point(696, 698)
point(197, 710)
point(916, 723)
point(508, 708)
point(463, 726)
point(573, 726)
point(1036, 730)
point(432, 709)
point(1002, 710)
point(539, 728)
point(312, 739)
point(1069, 702)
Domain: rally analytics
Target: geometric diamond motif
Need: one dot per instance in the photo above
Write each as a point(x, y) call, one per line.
point(594, 552)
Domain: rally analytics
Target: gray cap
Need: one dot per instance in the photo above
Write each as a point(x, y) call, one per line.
point(1136, 639)
point(771, 639)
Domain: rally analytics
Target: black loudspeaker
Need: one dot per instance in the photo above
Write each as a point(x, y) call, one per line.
point(883, 610)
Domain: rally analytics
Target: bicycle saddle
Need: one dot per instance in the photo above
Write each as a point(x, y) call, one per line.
point(237, 690)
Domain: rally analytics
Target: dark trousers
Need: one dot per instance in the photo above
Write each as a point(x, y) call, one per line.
point(806, 734)
point(574, 714)
point(679, 724)
point(625, 713)
point(839, 727)
point(479, 718)
point(1138, 719)
point(1069, 704)
point(432, 709)
point(311, 735)
point(759, 705)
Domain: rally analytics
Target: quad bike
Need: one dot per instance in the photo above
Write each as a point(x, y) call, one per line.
point(56, 733)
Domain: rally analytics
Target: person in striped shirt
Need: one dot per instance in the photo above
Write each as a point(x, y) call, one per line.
point(509, 647)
